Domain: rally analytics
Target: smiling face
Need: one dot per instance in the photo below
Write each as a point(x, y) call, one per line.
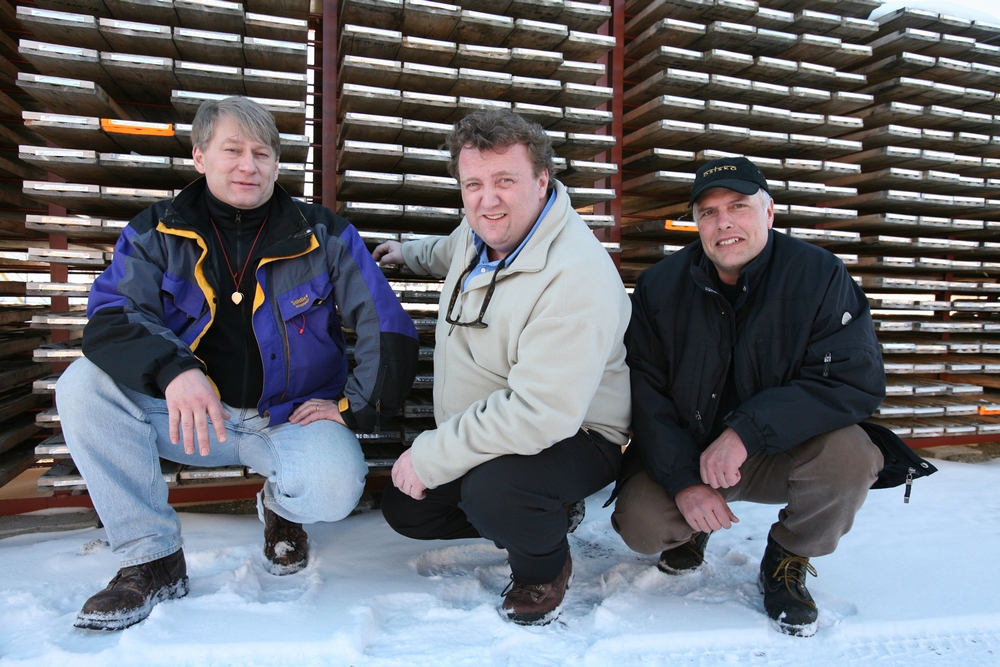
point(501, 194)
point(733, 228)
point(240, 171)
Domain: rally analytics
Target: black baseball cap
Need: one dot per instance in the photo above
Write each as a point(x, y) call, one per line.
point(732, 173)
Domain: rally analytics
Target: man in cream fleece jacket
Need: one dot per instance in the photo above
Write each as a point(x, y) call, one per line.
point(531, 390)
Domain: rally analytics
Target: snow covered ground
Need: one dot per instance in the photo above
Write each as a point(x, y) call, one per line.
point(911, 585)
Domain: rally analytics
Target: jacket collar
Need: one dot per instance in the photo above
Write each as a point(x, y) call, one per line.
point(750, 276)
point(288, 231)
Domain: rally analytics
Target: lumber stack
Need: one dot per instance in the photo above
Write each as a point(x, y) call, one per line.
point(880, 142)
point(97, 127)
point(408, 70)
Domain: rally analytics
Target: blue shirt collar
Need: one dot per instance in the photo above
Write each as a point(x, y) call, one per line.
point(482, 249)
point(485, 265)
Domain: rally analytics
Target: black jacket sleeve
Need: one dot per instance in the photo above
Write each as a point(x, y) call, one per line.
point(669, 452)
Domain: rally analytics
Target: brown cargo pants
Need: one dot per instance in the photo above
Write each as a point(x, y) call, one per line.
point(823, 482)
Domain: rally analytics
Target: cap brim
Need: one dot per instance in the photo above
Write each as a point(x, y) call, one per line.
point(737, 185)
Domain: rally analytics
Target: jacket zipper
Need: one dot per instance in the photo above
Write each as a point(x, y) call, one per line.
point(909, 484)
point(827, 358)
point(246, 363)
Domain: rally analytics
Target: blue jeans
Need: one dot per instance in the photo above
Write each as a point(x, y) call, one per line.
point(117, 436)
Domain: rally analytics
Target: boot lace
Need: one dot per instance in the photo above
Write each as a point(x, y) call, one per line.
point(517, 590)
point(136, 576)
point(792, 570)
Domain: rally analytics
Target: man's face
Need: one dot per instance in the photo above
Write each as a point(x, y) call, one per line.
point(240, 171)
point(733, 229)
point(501, 194)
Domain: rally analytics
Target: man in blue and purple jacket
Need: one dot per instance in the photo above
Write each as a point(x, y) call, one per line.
point(215, 339)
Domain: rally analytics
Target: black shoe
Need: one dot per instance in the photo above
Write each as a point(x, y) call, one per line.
point(286, 545)
point(536, 604)
point(131, 595)
point(783, 582)
point(574, 515)
point(685, 558)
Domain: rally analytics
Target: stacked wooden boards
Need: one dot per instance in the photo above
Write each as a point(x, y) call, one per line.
point(98, 127)
point(407, 71)
point(880, 142)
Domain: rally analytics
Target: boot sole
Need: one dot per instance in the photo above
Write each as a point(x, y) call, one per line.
point(279, 570)
point(675, 572)
point(794, 630)
point(111, 621)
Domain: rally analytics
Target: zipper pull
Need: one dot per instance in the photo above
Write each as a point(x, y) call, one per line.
point(378, 416)
point(827, 358)
point(909, 484)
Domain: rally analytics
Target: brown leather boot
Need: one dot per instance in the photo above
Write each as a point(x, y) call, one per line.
point(536, 604)
point(133, 593)
point(286, 545)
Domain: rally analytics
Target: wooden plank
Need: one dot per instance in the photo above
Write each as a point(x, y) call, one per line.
point(433, 20)
point(62, 27)
point(154, 11)
point(19, 456)
point(360, 40)
point(210, 15)
point(221, 79)
point(533, 62)
point(276, 27)
point(298, 9)
point(481, 28)
point(77, 131)
point(73, 165)
point(69, 61)
point(18, 401)
point(143, 138)
point(429, 51)
point(586, 46)
point(64, 95)
point(147, 39)
point(211, 46)
point(529, 33)
point(147, 79)
point(281, 85)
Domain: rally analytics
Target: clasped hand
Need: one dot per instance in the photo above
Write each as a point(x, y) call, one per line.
point(702, 505)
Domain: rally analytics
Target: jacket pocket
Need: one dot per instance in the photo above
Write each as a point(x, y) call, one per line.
point(183, 303)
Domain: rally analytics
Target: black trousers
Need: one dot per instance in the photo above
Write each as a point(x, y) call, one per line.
point(517, 501)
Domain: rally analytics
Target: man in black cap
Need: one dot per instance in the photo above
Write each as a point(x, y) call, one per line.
point(753, 359)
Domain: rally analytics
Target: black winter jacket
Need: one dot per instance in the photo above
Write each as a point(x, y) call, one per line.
point(806, 357)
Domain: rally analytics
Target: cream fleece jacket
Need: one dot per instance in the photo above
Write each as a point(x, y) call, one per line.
point(551, 361)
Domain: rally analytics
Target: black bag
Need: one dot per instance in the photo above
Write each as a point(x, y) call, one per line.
point(902, 465)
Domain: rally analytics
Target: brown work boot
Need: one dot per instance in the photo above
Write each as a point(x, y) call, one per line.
point(133, 592)
point(286, 545)
point(536, 604)
point(687, 557)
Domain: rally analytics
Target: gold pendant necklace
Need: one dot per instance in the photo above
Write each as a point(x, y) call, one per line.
point(237, 295)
